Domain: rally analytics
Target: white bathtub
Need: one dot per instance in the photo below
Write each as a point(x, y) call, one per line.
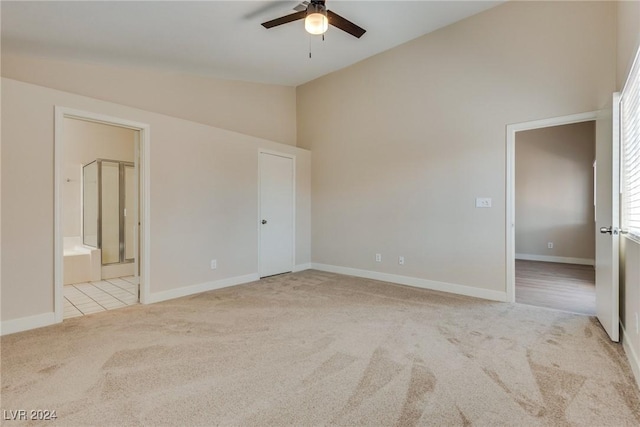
point(80, 263)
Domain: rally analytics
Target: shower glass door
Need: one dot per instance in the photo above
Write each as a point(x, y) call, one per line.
point(109, 209)
point(130, 207)
point(90, 204)
point(110, 212)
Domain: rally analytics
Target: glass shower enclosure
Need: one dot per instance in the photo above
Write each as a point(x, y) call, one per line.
point(108, 209)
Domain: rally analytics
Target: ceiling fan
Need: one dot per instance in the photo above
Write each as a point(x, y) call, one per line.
point(317, 19)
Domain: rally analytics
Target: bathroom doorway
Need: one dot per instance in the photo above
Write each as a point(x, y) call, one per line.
point(99, 239)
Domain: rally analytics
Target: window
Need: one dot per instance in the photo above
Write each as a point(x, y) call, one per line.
point(630, 147)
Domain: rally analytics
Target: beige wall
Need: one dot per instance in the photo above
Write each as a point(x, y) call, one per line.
point(204, 197)
point(628, 44)
point(261, 110)
point(83, 143)
point(403, 142)
point(628, 37)
point(554, 192)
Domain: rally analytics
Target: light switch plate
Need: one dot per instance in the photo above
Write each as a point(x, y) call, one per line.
point(483, 202)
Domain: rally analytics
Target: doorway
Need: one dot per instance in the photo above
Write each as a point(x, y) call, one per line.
point(101, 213)
point(554, 217)
point(510, 218)
point(606, 211)
point(277, 213)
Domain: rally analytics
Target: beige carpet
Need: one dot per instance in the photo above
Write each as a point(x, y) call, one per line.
point(314, 348)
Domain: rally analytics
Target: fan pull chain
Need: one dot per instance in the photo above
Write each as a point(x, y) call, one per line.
point(310, 36)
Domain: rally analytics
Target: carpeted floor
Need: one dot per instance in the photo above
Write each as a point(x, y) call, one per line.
point(315, 348)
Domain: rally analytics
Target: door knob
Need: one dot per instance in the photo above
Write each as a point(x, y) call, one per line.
point(610, 230)
point(264, 221)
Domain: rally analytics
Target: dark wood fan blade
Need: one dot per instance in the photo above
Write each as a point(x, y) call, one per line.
point(345, 25)
point(285, 19)
point(269, 7)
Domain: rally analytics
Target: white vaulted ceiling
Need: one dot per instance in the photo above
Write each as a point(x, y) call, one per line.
point(221, 39)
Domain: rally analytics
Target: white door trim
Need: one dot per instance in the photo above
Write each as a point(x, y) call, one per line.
point(293, 186)
point(60, 114)
point(511, 184)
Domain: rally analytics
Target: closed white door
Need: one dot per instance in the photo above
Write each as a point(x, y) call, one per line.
point(607, 218)
point(276, 214)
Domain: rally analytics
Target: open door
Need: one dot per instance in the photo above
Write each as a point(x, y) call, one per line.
point(607, 200)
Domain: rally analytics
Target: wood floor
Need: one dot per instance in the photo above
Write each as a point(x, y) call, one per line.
point(567, 287)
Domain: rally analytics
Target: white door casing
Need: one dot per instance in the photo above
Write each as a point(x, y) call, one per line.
point(512, 129)
point(276, 213)
point(608, 217)
point(607, 193)
point(143, 191)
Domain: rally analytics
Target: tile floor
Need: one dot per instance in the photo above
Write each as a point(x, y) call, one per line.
point(93, 297)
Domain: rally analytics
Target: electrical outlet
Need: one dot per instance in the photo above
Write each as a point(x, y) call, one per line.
point(214, 264)
point(550, 245)
point(483, 202)
point(378, 257)
point(401, 260)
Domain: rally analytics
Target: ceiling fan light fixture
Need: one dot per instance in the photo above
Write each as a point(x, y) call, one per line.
point(316, 21)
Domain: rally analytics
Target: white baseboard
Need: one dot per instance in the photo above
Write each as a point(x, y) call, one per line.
point(25, 323)
point(634, 361)
point(302, 267)
point(201, 287)
point(560, 259)
point(415, 282)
